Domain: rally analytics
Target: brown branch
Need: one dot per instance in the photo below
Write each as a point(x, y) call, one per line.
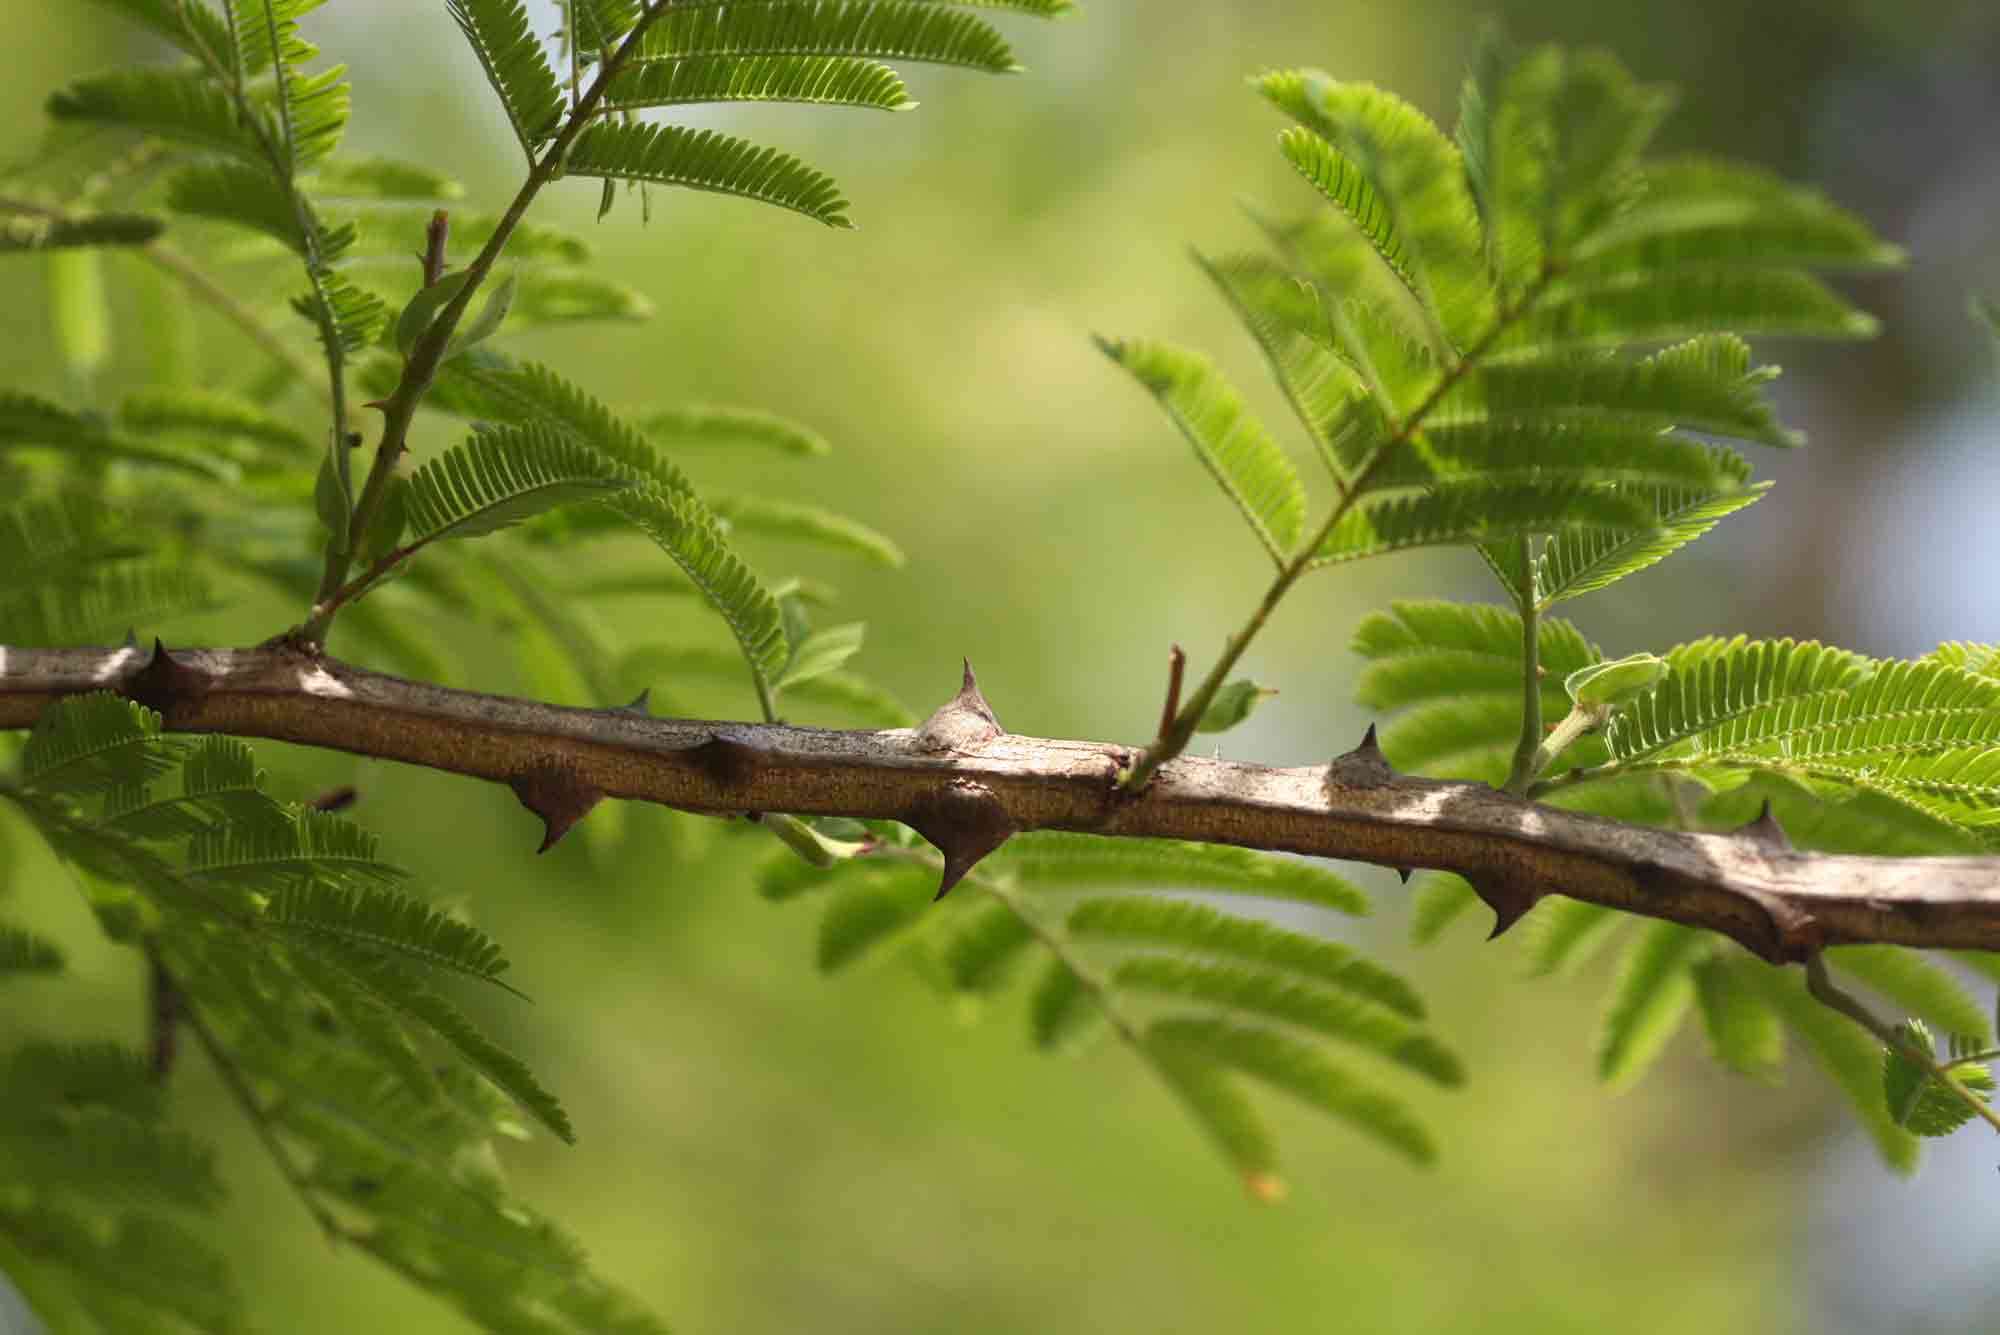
point(1782, 904)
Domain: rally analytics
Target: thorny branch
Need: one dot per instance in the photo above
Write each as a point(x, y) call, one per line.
point(966, 786)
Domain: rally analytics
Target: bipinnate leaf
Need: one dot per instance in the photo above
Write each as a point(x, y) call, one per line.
point(675, 155)
point(1916, 1099)
point(502, 38)
point(1649, 1000)
point(501, 477)
point(1245, 462)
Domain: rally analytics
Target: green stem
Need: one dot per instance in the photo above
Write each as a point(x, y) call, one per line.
point(1820, 983)
point(1174, 740)
point(246, 1099)
point(1051, 939)
point(421, 367)
point(1528, 749)
point(1579, 720)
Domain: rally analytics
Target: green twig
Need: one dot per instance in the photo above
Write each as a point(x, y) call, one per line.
point(1820, 983)
point(1175, 739)
point(246, 1099)
point(421, 366)
point(1052, 939)
point(1527, 750)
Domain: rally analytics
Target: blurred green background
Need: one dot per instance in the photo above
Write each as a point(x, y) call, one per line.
point(763, 1150)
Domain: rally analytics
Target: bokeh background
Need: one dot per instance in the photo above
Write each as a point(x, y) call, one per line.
point(763, 1150)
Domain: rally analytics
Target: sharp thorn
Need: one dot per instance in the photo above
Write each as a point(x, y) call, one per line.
point(1363, 767)
point(1766, 830)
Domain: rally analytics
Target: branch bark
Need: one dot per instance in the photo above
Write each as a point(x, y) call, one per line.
point(975, 786)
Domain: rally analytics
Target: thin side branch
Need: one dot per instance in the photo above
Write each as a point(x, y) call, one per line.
point(1828, 993)
point(1782, 904)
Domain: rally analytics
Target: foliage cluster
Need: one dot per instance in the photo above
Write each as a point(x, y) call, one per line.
point(1525, 340)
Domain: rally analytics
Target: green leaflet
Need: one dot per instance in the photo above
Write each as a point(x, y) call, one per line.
point(1459, 513)
point(1058, 860)
point(1916, 735)
point(706, 160)
point(1234, 703)
point(1496, 450)
point(930, 33)
point(393, 986)
point(309, 847)
point(1417, 181)
point(1062, 1008)
point(983, 954)
point(1580, 560)
point(1561, 934)
point(1847, 1053)
point(1179, 924)
point(1350, 189)
point(1219, 1105)
point(1916, 1099)
point(87, 743)
point(22, 951)
point(1700, 212)
point(827, 80)
point(1685, 303)
point(268, 30)
point(1981, 660)
point(1649, 1000)
point(1704, 384)
point(26, 232)
point(106, 1195)
point(1250, 468)
point(353, 176)
point(377, 918)
point(1285, 317)
point(90, 603)
point(1438, 901)
point(354, 316)
point(1744, 1033)
point(183, 106)
point(193, 26)
point(823, 651)
point(31, 423)
point(1295, 1068)
point(1365, 314)
point(1712, 682)
point(1456, 669)
point(806, 524)
point(69, 574)
point(547, 296)
point(865, 914)
point(220, 784)
point(1330, 1014)
point(483, 386)
point(685, 530)
point(210, 416)
point(716, 426)
point(501, 477)
point(1917, 987)
point(511, 56)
